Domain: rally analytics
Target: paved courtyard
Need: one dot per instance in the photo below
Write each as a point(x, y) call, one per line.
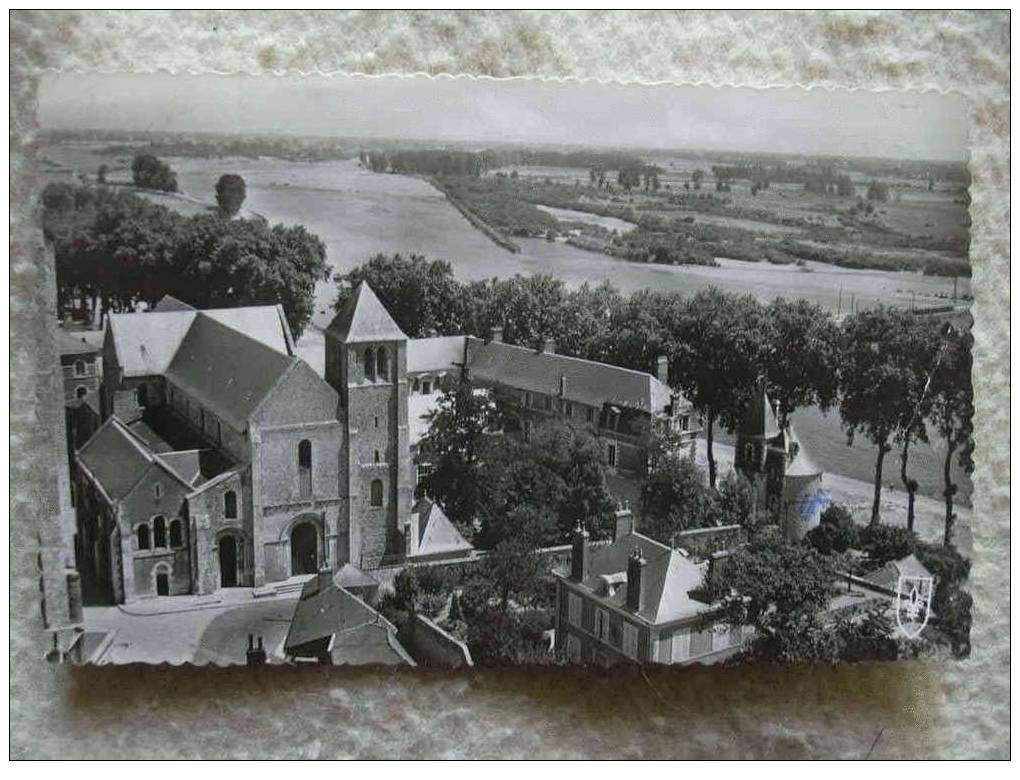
point(191, 629)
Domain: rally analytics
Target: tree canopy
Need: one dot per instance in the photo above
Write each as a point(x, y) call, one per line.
point(230, 193)
point(122, 250)
point(151, 173)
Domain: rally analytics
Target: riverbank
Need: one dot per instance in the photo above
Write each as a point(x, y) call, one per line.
point(693, 228)
point(477, 222)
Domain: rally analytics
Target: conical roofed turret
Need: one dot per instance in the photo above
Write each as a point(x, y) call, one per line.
point(759, 420)
point(363, 318)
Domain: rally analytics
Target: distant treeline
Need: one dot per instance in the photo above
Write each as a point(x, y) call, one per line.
point(285, 148)
point(452, 162)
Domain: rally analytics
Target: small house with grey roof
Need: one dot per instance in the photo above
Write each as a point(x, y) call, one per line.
point(637, 600)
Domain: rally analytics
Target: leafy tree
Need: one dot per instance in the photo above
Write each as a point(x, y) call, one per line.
point(230, 193)
point(801, 354)
point(529, 309)
point(885, 543)
point(122, 250)
point(877, 368)
point(557, 475)
point(831, 539)
point(781, 590)
point(952, 413)
point(151, 173)
point(458, 430)
point(716, 346)
point(921, 354)
point(421, 295)
point(675, 496)
point(733, 501)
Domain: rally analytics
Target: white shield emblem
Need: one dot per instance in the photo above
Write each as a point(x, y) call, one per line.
point(913, 604)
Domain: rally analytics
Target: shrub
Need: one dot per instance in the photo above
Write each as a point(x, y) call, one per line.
point(884, 543)
point(829, 538)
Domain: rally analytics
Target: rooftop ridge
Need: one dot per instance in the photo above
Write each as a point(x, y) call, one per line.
point(587, 361)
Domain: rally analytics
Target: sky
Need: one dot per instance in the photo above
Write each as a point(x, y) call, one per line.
point(907, 125)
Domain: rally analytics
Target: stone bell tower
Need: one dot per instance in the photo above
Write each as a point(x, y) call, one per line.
point(366, 363)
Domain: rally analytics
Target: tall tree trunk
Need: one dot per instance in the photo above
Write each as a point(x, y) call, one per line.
point(883, 448)
point(710, 425)
point(908, 483)
point(949, 492)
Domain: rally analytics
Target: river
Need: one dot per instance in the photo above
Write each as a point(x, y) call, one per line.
point(358, 213)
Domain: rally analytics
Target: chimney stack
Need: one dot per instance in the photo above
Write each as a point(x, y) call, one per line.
point(716, 567)
point(549, 346)
point(580, 555)
point(662, 369)
point(624, 523)
point(496, 336)
point(635, 568)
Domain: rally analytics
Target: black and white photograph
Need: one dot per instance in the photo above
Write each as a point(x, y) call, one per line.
point(472, 372)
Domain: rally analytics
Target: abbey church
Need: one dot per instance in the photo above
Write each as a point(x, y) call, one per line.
point(225, 460)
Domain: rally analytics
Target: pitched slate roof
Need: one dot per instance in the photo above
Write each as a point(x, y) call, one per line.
point(146, 342)
point(225, 370)
point(169, 303)
point(583, 381)
point(436, 533)
point(440, 353)
point(364, 318)
point(666, 580)
point(889, 575)
point(759, 418)
point(115, 458)
point(77, 342)
point(360, 635)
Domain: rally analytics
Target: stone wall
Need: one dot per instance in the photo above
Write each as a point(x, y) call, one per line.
point(430, 645)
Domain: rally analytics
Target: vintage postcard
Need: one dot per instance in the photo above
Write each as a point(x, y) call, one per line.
point(453, 372)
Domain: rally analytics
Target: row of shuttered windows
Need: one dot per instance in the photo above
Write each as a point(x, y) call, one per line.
point(679, 645)
point(612, 629)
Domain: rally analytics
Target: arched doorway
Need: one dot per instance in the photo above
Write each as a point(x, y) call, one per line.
point(228, 561)
point(162, 584)
point(304, 549)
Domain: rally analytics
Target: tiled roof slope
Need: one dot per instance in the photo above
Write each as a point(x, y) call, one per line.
point(169, 303)
point(76, 342)
point(146, 342)
point(115, 458)
point(436, 533)
point(583, 381)
point(227, 371)
point(364, 318)
point(666, 580)
point(759, 418)
point(360, 634)
point(439, 353)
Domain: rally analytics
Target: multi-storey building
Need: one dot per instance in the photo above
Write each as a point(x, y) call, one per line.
point(621, 405)
point(637, 600)
point(225, 460)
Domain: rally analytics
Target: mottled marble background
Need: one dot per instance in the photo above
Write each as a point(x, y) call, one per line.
point(958, 709)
